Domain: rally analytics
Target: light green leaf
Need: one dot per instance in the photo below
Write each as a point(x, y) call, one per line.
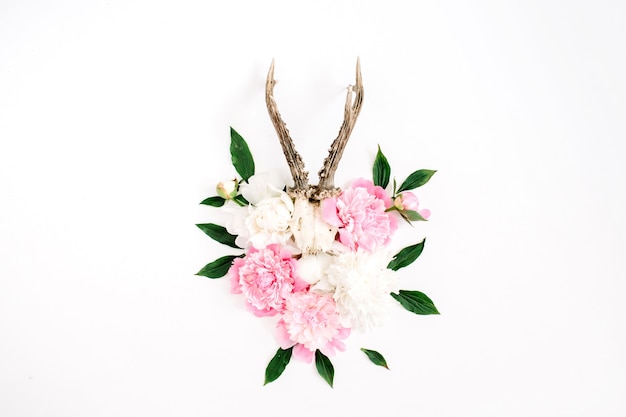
point(412, 215)
point(375, 357)
point(406, 256)
point(219, 267)
point(324, 367)
point(416, 179)
point(219, 234)
point(416, 302)
point(216, 201)
point(381, 170)
point(277, 365)
point(240, 155)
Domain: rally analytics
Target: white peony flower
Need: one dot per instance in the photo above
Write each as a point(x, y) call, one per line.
point(268, 221)
point(311, 267)
point(262, 186)
point(236, 223)
point(360, 284)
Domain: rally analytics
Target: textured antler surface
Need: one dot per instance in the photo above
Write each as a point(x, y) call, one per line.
point(296, 165)
point(351, 112)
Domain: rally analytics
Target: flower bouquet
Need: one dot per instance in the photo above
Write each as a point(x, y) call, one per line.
point(316, 257)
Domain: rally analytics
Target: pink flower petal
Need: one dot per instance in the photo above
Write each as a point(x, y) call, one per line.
point(329, 212)
point(282, 336)
point(233, 274)
point(364, 223)
point(302, 353)
point(311, 321)
point(266, 277)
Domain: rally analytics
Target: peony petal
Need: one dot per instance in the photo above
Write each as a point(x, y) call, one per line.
point(343, 332)
point(346, 237)
point(332, 346)
point(362, 182)
point(302, 353)
point(268, 312)
point(375, 190)
point(233, 274)
point(283, 336)
point(329, 212)
point(393, 226)
point(425, 213)
point(299, 284)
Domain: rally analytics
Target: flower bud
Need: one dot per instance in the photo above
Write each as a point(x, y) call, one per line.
point(406, 201)
point(227, 189)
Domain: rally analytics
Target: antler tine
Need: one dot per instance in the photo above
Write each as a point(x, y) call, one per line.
point(296, 165)
point(351, 112)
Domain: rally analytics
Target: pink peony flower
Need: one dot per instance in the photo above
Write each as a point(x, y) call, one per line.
point(408, 201)
point(266, 277)
point(309, 322)
point(359, 212)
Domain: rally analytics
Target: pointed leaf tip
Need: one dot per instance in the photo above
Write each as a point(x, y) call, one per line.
point(324, 367)
point(240, 155)
point(416, 179)
point(416, 302)
point(277, 365)
point(218, 268)
point(216, 201)
point(375, 357)
point(381, 170)
point(219, 234)
point(406, 256)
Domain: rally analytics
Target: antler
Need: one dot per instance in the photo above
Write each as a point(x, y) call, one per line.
point(351, 112)
point(296, 165)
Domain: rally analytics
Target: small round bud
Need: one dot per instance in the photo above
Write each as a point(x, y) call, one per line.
point(227, 189)
point(406, 201)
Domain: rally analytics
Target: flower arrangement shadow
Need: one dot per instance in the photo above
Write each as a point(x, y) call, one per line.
point(316, 257)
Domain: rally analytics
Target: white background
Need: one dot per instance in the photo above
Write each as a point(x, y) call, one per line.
point(114, 120)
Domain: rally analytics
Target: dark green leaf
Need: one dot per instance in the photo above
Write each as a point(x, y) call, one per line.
point(375, 357)
point(277, 365)
point(416, 179)
point(218, 268)
point(381, 170)
point(406, 256)
point(216, 201)
point(416, 302)
point(219, 233)
point(324, 367)
point(239, 199)
point(412, 215)
point(240, 155)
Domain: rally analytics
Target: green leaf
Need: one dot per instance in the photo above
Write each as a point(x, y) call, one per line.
point(416, 179)
point(216, 201)
point(219, 267)
point(375, 357)
point(240, 155)
point(406, 256)
point(324, 367)
point(219, 234)
point(416, 302)
point(381, 170)
point(239, 199)
point(412, 215)
point(277, 365)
